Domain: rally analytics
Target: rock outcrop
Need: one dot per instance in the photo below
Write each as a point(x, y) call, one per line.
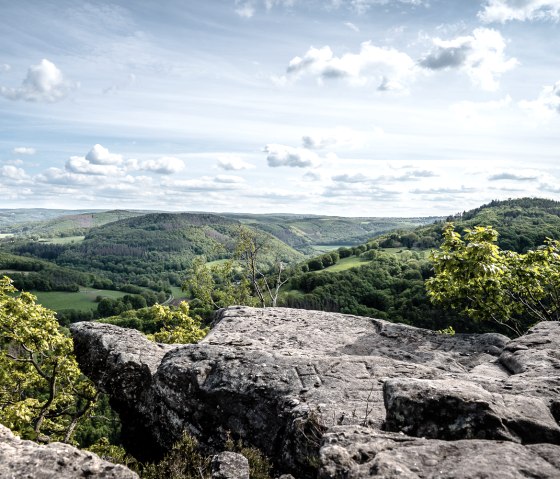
point(318, 392)
point(28, 460)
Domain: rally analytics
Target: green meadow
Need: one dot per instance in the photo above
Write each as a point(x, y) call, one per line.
point(83, 300)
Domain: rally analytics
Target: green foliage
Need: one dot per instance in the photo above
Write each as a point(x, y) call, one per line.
point(184, 461)
point(216, 286)
point(163, 324)
point(389, 286)
point(476, 277)
point(43, 394)
point(113, 453)
point(176, 326)
point(449, 331)
point(259, 465)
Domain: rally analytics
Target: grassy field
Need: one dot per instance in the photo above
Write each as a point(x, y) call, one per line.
point(84, 300)
point(177, 293)
point(65, 240)
point(325, 248)
point(346, 263)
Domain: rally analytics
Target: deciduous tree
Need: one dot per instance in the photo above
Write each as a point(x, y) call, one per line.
point(476, 277)
point(43, 394)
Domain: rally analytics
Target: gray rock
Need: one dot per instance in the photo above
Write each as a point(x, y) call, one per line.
point(357, 452)
point(27, 460)
point(451, 409)
point(230, 465)
point(281, 379)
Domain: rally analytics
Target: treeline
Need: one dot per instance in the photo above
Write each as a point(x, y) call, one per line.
point(107, 307)
point(391, 287)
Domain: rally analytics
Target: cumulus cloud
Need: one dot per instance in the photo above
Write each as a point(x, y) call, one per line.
point(166, 165)
point(12, 172)
point(502, 11)
point(547, 104)
point(82, 166)
point(233, 163)
point(99, 155)
point(380, 65)
point(480, 55)
point(281, 155)
point(23, 150)
point(44, 83)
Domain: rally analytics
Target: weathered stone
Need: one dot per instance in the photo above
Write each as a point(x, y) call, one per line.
point(28, 460)
point(358, 453)
point(451, 409)
point(280, 379)
point(230, 465)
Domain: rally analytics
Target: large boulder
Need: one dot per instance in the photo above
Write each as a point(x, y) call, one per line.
point(29, 460)
point(282, 380)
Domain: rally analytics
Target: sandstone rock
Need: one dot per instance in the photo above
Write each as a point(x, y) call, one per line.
point(230, 465)
point(451, 409)
point(282, 379)
point(357, 452)
point(27, 460)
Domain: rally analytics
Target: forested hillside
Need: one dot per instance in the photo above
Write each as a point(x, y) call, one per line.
point(384, 278)
point(149, 250)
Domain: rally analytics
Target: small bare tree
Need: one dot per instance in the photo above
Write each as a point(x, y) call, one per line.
point(250, 249)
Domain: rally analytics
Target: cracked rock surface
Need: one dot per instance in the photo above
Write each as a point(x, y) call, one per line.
point(287, 380)
point(28, 460)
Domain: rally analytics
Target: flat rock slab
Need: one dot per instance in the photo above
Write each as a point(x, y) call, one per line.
point(280, 379)
point(451, 409)
point(27, 460)
point(358, 452)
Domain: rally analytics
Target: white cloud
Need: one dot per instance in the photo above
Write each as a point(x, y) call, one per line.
point(166, 165)
point(281, 155)
point(4, 67)
point(99, 155)
point(377, 64)
point(547, 104)
point(44, 83)
point(23, 150)
point(82, 166)
point(502, 11)
point(233, 163)
point(480, 55)
point(12, 172)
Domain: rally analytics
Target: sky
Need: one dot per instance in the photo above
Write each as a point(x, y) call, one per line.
point(333, 107)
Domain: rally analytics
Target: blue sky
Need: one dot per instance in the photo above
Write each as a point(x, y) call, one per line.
point(343, 107)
